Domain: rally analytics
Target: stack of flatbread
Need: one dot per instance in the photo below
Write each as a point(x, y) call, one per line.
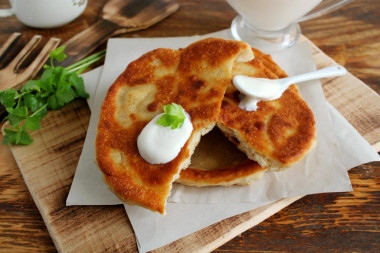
point(199, 78)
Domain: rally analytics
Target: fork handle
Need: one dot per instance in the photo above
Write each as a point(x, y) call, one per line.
point(89, 39)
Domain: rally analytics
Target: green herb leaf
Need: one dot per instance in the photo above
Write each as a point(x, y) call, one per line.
point(25, 138)
point(78, 84)
point(33, 123)
point(31, 85)
point(30, 101)
point(39, 109)
point(7, 97)
point(46, 81)
point(52, 102)
point(64, 94)
point(10, 136)
point(59, 75)
point(16, 115)
point(173, 117)
point(58, 54)
point(17, 137)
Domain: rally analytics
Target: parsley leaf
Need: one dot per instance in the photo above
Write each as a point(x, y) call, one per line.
point(64, 93)
point(78, 84)
point(30, 101)
point(40, 109)
point(58, 54)
point(31, 85)
point(17, 137)
point(33, 123)
point(173, 117)
point(46, 81)
point(16, 115)
point(7, 97)
point(52, 102)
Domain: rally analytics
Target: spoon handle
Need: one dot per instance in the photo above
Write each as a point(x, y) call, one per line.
point(325, 72)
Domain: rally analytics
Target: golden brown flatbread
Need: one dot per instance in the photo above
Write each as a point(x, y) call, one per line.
point(216, 161)
point(195, 77)
point(281, 132)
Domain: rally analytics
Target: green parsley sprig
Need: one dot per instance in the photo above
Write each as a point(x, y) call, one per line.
point(56, 87)
point(173, 117)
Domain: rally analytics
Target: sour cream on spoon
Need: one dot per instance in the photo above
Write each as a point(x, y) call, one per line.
point(255, 90)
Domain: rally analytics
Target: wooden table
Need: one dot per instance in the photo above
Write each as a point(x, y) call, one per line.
point(334, 222)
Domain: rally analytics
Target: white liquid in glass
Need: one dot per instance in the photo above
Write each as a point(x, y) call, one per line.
point(272, 15)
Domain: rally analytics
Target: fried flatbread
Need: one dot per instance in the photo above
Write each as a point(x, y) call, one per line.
point(216, 160)
point(195, 77)
point(280, 132)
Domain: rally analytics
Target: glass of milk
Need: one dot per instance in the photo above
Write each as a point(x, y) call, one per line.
point(272, 25)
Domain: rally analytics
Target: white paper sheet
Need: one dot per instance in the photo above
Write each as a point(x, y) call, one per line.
point(89, 189)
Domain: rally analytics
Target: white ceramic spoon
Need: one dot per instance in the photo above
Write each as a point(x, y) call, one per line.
point(257, 89)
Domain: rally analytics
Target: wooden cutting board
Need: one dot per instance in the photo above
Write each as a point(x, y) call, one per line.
point(48, 167)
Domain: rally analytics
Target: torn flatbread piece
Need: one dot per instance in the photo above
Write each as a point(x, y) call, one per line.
point(216, 160)
point(196, 78)
point(280, 132)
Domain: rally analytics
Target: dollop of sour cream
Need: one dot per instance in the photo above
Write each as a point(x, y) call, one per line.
point(254, 90)
point(158, 144)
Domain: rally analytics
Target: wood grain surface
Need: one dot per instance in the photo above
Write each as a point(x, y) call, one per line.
point(324, 222)
point(116, 18)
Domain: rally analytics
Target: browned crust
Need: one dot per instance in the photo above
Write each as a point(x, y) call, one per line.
point(282, 131)
point(259, 129)
point(264, 130)
point(226, 176)
point(188, 83)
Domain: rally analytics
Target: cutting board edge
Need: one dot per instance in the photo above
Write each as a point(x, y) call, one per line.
point(44, 215)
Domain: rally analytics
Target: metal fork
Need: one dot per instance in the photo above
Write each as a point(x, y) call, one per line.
point(12, 76)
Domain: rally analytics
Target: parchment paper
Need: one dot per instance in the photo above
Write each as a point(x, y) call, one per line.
point(315, 174)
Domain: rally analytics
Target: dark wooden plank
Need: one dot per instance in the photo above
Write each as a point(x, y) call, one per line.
point(117, 17)
point(351, 36)
point(335, 222)
point(21, 225)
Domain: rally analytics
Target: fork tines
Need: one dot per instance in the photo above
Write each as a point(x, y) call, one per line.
point(11, 76)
